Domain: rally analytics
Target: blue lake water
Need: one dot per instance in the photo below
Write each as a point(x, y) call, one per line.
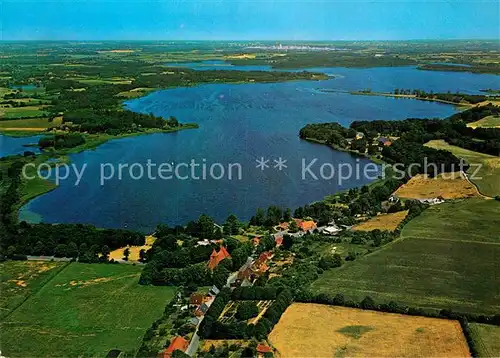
point(218, 65)
point(239, 124)
point(24, 87)
point(17, 145)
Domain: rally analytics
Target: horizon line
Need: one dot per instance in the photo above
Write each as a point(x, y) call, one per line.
point(243, 40)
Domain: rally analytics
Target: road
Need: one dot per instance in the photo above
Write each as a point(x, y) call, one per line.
point(193, 345)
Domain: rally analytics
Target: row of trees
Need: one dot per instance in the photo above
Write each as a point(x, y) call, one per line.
point(270, 217)
point(369, 303)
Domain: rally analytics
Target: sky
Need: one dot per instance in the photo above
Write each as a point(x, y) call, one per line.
point(248, 19)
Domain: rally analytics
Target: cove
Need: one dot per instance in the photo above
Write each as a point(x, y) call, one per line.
point(239, 124)
point(17, 145)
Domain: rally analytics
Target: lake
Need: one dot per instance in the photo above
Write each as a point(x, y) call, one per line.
point(239, 124)
point(17, 145)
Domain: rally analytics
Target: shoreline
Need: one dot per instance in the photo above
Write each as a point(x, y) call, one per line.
point(411, 96)
point(97, 139)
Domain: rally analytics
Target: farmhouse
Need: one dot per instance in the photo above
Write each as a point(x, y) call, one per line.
point(331, 230)
point(432, 201)
point(178, 343)
point(284, 225)
point(217, 257)
point(201, 310)
point(384, 141)
point(197, 299)
point(278, 239)
point(305, 225)
point(262, 349)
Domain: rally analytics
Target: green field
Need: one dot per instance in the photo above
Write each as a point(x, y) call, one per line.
point(19, 279)
point(97, 81)
point(487, 339)
point(446, 258)
point(42, 123)
point(21, 112)
point(490, 166)
point(85, 310)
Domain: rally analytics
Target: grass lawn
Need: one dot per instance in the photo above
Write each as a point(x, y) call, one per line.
point(490, 166)
point(19, 279)
point(313, 330)
point(447, 258)
point(85, 310)
point(486, 122)
point(487, 339)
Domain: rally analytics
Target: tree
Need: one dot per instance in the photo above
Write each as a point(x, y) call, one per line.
point(126, 254)
point(72, 250)
point(287, 215)
point(11, 251)
point(287, 242)
point(172, 121)
point(330, 261)
point(39, 249)
point(368, 303)
point(232, 225)
point(142, 255)
point(105, 252)
point(246, 310)
point(274, 214)
point(260, 217)
point(206, 225)
point(293, 227)
point(61, 250)
point(220, 275)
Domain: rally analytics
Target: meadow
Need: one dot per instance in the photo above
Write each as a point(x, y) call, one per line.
point(340, 331)
point(490, 166)
point(486, 122)
point(20, 279)
point(85, 310)
point(446, 258)
point(486, 338)
point(21, 112)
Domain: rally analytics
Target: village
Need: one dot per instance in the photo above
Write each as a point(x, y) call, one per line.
point(199, 303)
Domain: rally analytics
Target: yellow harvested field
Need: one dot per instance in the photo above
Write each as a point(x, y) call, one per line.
point(388, 222)
point(313, 330)
point(486, 122)
point(244, 56)
point(116, 51)
point(134, 250)
point(447, 185)
point(486, 170)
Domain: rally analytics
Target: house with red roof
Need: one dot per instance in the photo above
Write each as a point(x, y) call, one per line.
point(178, 343)
point(217, 257)
point(278, 239)
point(284, 225)
point(305, 225)
point(263, 349)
